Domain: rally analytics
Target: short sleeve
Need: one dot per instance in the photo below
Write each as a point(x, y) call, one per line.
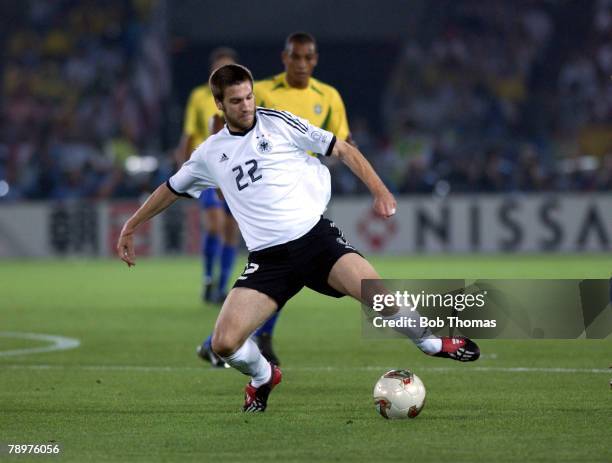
point(301, 132)
point(192, 178)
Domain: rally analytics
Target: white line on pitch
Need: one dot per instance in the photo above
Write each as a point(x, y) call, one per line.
point(57, 343)
point(155, 369)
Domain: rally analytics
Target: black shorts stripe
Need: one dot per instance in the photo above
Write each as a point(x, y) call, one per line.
point(291, 122)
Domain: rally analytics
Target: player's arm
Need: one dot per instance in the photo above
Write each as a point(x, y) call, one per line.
point(191, 127)
point(310, 138)
point(339, 121)
point(384, 202)
point(159, 200)
point(216, 125)
point(185, 147)
point(183, 150)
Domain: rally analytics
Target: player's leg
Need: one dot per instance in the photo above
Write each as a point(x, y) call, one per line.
point(346, 276)
point(263, 338)
point(228, 252)
point(211, 242)
point(266, 284)
point(243, 311)
point(211, 245)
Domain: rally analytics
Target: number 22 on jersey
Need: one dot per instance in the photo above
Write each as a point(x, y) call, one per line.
point(242, 182)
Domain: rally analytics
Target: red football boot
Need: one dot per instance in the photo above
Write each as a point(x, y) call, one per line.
point(459, 348)
point(256, 398)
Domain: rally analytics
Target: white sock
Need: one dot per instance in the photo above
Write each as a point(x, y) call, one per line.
point(248, 360)
point(431, 345)
point(422, 337)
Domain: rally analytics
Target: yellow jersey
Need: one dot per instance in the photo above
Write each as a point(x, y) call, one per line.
point(199, 115)
point(319, 103)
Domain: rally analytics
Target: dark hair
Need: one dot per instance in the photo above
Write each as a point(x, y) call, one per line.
point(222, 52)
point(230, 74)
point(300, 37)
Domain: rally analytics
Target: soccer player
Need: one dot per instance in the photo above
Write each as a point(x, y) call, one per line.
point(277, 193)
point(298, 92)
point(220, 240)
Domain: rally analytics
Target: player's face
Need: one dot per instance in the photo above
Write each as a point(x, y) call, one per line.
point(300, 60)
point(238, 106)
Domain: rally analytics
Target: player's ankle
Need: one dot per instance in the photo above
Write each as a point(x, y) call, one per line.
point(430, 345)
point(265, 377)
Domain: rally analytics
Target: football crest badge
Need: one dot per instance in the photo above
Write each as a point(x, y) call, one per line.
point(263, 145)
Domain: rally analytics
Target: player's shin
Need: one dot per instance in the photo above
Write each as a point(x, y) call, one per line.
point(228, 257)
point(210, 249)
point(406, 321)
point(403, 319)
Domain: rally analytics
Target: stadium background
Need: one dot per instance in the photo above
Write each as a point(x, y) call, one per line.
point(450, 103)
point(492, 121)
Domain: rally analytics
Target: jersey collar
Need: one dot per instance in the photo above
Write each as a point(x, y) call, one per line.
point(242, 134)
point(281, 81)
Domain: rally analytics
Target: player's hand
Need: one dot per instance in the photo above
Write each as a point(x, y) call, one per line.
point(125, 248)
point(384, 204)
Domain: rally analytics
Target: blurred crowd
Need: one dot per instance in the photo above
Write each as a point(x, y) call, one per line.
point(83, 83)
point(493, 96)
point(501, 96)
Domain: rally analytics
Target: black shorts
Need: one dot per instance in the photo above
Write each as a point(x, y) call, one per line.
point(282, 271)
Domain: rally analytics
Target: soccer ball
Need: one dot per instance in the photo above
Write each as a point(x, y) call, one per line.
point(399, 394)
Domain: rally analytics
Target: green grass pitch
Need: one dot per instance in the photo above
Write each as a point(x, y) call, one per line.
point(135, 391)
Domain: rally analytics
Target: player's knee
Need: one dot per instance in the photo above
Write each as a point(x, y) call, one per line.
point(230, 240)
point(214, 228)
point(213, 221)
point(389, 311)
point(223, 344)
point(230, 235)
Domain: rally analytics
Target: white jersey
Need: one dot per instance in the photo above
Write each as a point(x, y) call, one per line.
point(275, 190)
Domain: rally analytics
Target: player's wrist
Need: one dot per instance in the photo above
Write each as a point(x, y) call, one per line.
point(380, 191)
point(128, 229)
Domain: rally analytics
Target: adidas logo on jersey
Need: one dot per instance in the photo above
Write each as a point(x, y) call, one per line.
point(223, 158)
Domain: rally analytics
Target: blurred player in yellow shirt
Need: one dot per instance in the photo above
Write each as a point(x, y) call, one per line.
point(202, 119)
point(296, 91)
